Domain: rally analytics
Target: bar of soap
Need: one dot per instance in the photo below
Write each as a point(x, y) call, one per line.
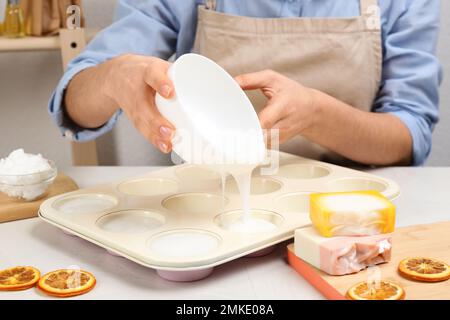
point(360, 213)
point(342, 255)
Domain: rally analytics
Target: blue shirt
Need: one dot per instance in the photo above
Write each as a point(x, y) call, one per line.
point(411, 72)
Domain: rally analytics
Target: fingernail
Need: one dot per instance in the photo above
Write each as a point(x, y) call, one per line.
point(162, 146)
point(166, 133)
point(165, 90)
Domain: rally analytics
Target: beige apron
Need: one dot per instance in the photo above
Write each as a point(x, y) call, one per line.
point(339, 56)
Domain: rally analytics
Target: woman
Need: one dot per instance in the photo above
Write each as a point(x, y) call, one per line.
point(353, 79)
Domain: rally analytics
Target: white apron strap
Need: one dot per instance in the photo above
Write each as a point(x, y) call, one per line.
point(367, 6)
point(371, 13)
point(210, 4)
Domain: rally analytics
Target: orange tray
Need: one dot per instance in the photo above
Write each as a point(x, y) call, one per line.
point(312, 275)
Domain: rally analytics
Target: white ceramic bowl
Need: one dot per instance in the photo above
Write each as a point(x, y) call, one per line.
point(28, 187)
point(215, 120)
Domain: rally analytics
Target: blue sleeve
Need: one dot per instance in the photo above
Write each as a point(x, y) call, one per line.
point(411, 72)
point(140, 27)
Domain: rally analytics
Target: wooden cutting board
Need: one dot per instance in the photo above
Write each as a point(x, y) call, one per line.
point(13, 209)
point(431, 240)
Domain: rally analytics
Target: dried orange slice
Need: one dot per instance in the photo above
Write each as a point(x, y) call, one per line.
point(67, 282)
point(18, 278)
point(385, 290)
point(424, 269)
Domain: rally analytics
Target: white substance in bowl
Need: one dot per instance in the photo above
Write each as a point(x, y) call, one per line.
point(26, 176)
point(19, 163)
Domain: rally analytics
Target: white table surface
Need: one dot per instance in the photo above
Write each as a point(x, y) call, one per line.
point(425, 198)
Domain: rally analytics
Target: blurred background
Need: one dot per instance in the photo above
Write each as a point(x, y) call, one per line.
point(28, 78)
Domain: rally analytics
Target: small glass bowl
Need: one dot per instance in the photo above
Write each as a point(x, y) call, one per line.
point(28, 187)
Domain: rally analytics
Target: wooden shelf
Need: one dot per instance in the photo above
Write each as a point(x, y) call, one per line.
point(35, 43)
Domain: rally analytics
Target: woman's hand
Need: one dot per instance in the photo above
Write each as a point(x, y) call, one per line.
point(367, 137)
point(129, 82)
point(134, 82)
point(290, 107)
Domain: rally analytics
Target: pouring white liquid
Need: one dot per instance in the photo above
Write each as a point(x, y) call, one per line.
point(216, 125)
point(242, 174)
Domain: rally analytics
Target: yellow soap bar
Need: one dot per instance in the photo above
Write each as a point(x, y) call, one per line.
point(359, 213)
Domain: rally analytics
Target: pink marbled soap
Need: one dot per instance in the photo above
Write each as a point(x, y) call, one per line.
point(342, 255)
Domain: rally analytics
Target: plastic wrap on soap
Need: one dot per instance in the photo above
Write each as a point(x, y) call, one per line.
point(346, 255)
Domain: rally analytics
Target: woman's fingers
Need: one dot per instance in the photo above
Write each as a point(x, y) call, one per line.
point(266, 79)
point(290, 106)
point(157, 129)
point(267, 117)
point(273, 112)
point(160, 131)
point(285, 132)
point(153, 137)
point(157, 78)
point(139, 78)
point(149, 130)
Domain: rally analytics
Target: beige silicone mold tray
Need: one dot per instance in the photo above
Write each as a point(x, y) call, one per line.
point(176, 219)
